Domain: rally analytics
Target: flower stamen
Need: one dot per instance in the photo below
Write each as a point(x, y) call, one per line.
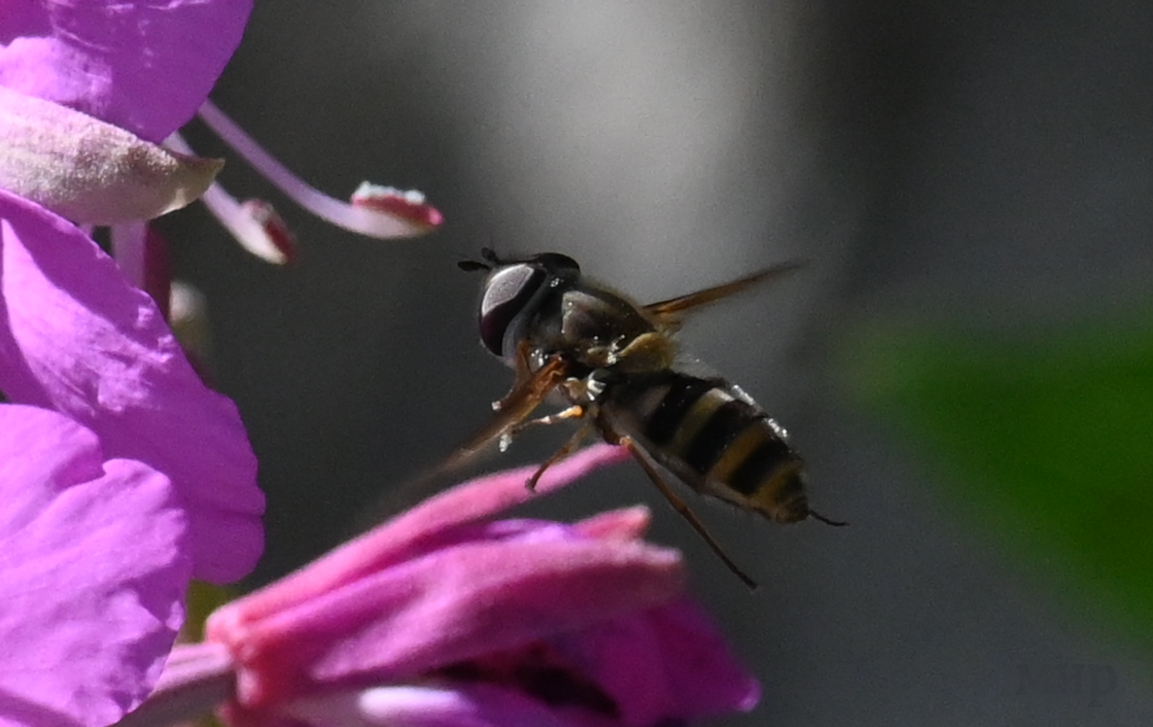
point(254, 223)
point(392, 213)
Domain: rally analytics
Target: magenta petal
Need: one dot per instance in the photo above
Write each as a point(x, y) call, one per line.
point(667, 662)
point(144, 66)
point(427, 526)
point(629, 523)
point(94, 571)
point(76, 338)
point(475, 705)
point(445, 607)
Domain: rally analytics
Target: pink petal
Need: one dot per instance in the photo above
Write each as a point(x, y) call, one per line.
point(144, 66)
point(421, 529)
point(94, 571)
point(629, 523)
point(667, 662)
point(90, 171)
point(460, 706)
point(76, 338)
point(445, 607)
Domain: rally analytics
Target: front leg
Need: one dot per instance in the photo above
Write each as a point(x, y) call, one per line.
point(560, 454)
point(573, 412)
point(523, 366)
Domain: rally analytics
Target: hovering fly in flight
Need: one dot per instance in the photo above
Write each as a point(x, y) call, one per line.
point(614, 361)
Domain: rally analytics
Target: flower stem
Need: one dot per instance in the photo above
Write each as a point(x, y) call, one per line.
point(197, 679)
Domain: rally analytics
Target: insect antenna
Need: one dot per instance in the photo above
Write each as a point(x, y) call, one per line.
point(489, 260)
point(680, 506)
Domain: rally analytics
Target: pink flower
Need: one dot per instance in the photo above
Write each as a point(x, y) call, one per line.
point(128, 474)
point(123, 475)
point(143, 66)
point(75, 337)
point(444, 616)
point(95, 564)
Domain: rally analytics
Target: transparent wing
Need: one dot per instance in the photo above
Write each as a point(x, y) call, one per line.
point(528, 392)
point(526, 395)
point(671, 313)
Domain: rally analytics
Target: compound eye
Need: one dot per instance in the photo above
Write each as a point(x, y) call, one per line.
point(506, 294)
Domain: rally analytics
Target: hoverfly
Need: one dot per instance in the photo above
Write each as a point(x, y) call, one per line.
point(614, 362)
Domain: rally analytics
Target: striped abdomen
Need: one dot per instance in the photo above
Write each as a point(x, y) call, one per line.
point(715, 440)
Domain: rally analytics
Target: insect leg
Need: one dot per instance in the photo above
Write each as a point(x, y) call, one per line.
point(835, 523)
point(524, 375)
point(680, 506)
point(560, 454)
point(573, 412)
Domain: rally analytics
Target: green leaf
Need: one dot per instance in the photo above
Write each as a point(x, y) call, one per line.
point(1048, 438)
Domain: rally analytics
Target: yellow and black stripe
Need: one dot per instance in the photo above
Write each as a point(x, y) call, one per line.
point(718, 443)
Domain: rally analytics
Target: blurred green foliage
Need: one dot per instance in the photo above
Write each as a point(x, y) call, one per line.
point(1047, 439)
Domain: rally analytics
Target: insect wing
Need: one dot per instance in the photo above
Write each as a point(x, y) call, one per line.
point(526, 395)
point(528, 392)
point(669, 314)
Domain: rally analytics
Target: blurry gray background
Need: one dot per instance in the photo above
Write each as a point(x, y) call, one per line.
point(980, 161)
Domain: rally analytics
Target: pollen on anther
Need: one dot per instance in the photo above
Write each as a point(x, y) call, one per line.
point(276, 231)
point(406, 204)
